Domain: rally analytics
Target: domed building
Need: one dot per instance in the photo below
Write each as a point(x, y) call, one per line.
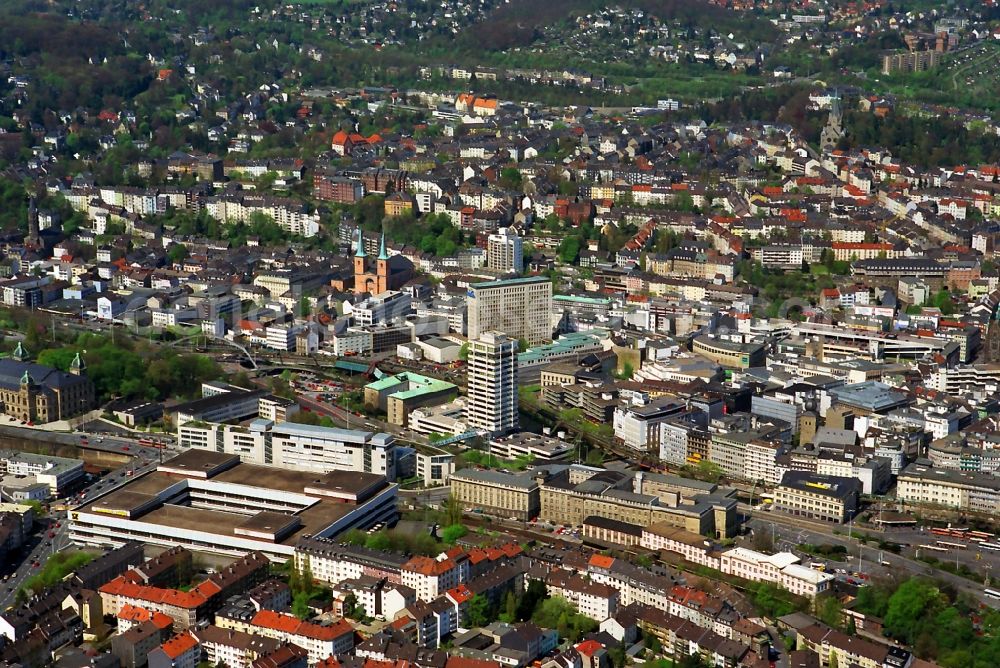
point(37, 393)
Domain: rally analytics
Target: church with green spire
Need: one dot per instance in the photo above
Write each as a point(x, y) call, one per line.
point(384, 272)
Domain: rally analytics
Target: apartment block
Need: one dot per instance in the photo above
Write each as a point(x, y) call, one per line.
point(963, 490)
point(492, 384)
point(818, 497)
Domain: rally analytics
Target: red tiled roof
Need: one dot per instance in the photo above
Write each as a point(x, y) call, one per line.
point(162, 621)
point(511, 549)
point(133, 613)
point(208, 589)
point(601, 561)
point(121, 587)
point(401, 622)
point(292, 625)
point(428, 566)
point(589, 647)
point(179, 644)
point(459, 594)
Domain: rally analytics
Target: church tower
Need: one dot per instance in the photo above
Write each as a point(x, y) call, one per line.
point(833, 132)
point(34, 233)
point(382, 266)
point(20, 354)
point(360, 264)
point(77, 367)
point(28, 391)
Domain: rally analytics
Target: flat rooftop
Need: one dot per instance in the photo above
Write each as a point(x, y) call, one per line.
point(296, 430)
point(205, 404)
point(870, 395)
point(507, 282)
point(322, 496)
point(200, 463)
point(46, 463)
point(986, 481)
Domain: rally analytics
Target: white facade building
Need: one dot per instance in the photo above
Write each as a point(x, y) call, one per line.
point(492, 381)
point(505, 251)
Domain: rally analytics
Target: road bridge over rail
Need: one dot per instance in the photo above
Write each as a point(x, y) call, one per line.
point(341, 365)
point(214, 340)
point(359, 367)
point(458, 438)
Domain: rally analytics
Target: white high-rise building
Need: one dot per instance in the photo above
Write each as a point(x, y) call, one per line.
point(492, 401)
point(505, 251)
point(519, 307)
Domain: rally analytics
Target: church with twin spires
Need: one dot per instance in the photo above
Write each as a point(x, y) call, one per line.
point(385, 273)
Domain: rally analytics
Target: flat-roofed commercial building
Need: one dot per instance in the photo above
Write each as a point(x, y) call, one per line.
point(58, 473)
point(513, 495)
point(571, 494)
point(433, 465)
point(231, 404)
point(212, 502)
point(818, 497)
point(638, 427)
point(296, 446)
point(542, 449)
point(729, 353)
point(521, 308)
point(964, 490)
point(871, 397)
point(446, 419)
point(398, 395)
point(568, 347)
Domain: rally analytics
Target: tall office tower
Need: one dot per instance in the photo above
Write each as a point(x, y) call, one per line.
point(519, 307)
point(492, 401)
point(505, 251)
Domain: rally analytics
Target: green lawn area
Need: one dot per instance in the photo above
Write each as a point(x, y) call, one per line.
point(56, 568)
point(529, 394)
point(481, 458)
point(573, 417)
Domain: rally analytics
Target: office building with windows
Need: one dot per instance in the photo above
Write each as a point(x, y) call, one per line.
point(521, 308)
point(296, 446)
point(492, 382)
